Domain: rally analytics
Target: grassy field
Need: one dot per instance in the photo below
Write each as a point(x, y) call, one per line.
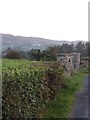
point(18, 63)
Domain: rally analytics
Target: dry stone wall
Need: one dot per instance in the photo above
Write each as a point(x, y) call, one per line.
point(71, 61)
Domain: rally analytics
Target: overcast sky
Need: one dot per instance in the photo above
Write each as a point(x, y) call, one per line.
point(51, 19)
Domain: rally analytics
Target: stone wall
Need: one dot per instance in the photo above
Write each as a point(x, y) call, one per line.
point(72, 60)
point(75, 60)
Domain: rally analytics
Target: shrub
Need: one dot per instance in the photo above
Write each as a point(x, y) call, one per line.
point(54, 76)
point(13, 55)
point(27, 90)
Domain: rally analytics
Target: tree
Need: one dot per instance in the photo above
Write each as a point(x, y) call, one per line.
point(87, 50)
point(80, 47)
point(13, 55)
point(36, 54)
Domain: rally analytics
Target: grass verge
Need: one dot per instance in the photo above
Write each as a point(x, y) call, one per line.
point(61, 106)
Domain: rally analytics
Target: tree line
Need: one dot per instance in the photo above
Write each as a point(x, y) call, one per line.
point(50, 54)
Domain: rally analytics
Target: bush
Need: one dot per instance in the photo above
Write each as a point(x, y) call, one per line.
point(26, 90)
point(13, 55)
point(54, 76)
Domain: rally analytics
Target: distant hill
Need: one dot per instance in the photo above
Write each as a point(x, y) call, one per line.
point(27, 43)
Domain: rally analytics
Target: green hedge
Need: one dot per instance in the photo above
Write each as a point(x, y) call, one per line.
point(26, 90)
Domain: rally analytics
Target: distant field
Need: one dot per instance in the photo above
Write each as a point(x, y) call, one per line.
point(15, 63)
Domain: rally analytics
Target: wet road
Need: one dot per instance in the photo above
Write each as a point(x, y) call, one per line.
point(81, 107)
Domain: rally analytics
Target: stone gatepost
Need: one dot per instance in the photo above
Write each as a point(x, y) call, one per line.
point(75, 60)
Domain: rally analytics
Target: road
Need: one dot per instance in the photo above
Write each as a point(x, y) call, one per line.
point(81, 108)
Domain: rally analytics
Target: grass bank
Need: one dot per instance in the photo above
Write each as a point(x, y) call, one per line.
point(61, 106)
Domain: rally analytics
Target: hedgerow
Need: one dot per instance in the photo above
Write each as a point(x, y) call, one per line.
point(27, 90)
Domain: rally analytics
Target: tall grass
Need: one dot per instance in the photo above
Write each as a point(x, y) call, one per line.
point(62, 105)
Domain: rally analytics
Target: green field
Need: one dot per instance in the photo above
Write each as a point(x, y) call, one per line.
point(19, 63)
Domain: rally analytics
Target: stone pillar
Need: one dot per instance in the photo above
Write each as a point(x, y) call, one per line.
point(75, 59)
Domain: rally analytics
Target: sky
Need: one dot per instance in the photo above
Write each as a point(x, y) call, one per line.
point(50, 19)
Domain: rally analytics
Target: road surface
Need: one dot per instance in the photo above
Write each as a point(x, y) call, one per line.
point(81, 107)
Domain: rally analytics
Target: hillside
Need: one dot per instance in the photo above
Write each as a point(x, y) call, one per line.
point(27, 43)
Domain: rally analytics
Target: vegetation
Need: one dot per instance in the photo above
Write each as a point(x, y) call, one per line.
point(50, 53)
point(27, 89)
point(62, 105)
point(36, 89)
point(13, 54)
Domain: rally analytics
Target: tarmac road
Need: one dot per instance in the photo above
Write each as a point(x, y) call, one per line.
point(81, 107)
